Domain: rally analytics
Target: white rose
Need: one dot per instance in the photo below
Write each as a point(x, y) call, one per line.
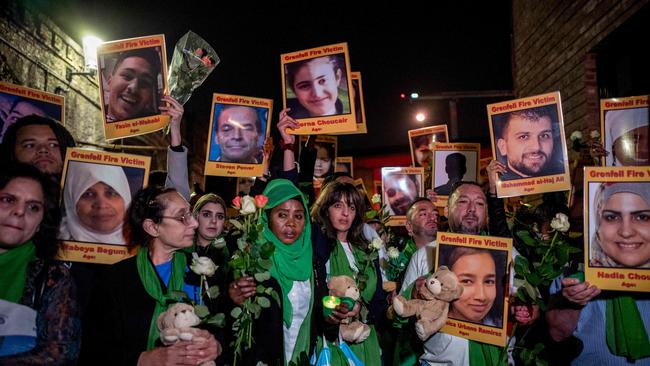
point(393, 253)
point(219, 242)
point(594, 134)
point(432, 145)
point(576, 135)
point(376, 198)
point(560, 223)
point(203, 266)
point(247, 205)
point(376, 243)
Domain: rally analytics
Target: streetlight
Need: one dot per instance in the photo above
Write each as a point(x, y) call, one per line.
point(90, 44)
point(420, 117)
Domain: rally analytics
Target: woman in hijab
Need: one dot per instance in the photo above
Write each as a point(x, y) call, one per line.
point(622, 232)
point(626, 137)
point(286, 225)
point(95, 198)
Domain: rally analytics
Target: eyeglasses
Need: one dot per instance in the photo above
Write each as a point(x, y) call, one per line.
point(184, 219)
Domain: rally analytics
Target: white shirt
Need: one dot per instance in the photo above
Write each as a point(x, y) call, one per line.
point(421, 263)
point(299, 297)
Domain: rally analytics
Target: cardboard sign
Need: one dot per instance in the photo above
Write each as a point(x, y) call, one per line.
point(132, 81)
point(18, 101)
point(92, 232)
point(345, 164)
point(481, 264)
point(401, 186)
point(316, 85)
point(616, 206)
point(421, 141)
point(359, 106)
point(624, 130)
point(528, 137)
point(239, 127)
point(453, 163)
point(326, 155)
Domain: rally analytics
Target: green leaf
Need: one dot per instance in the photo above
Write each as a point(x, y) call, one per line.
point(266, 264)
point(534, 279)
point(266, 250)
point(213, 292)
point(371, 214)
point(201, 311)
point(237, 262)
point(237, 224)
point(179, 295)
point(521, 265)
point(540, 362)
point(263, 302)
point(218, 320)
point(526, 238)
point(262, 276)
point(241, 243)
point(255, 309)
point(236, 312)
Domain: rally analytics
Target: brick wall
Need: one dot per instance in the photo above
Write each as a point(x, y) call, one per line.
point(553, 44)
point(35, 52)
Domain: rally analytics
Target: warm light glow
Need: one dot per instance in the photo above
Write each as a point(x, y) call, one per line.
point(90, 44)
point(420, 117)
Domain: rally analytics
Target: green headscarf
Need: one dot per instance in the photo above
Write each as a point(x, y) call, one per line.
point(291, 262)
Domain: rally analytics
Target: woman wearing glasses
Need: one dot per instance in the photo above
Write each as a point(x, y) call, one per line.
point(133, 292)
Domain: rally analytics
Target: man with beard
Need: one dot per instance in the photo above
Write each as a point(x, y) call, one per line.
point(422, 226)
point(238, 133)
point(400, 190)
point(526, 143)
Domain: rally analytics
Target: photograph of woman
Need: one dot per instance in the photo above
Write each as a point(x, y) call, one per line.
point(620, 233)
point(315, 87)
point(626, 137)
point(325, 156)
point(95, 199)
point(482, 274)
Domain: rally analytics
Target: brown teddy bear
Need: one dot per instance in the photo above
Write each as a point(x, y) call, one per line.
point(177, 324)
point(351, 330)
point(440, 289)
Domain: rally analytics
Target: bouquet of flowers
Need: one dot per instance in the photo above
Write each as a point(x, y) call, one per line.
point(192, 62)
point(252, 258)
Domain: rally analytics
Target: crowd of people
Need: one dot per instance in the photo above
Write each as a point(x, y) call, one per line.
point(93, 314)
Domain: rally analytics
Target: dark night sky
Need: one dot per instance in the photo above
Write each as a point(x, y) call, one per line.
point(414, 47)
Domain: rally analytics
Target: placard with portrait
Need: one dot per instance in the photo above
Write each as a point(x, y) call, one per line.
point(18, 101)
point(132, 81)
point(345, 164)
point(359, 106)
point(617, 225)
point(239, 127)
point(401, 186)
point(420, 141)
point(528, 138)
point(326, 154)
point(624, 130)
point(98, 187)
point(453, 163)
point(316, 88)
point(481, 264)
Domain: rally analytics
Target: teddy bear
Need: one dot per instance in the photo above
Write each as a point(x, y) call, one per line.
point(177, 324)
point(351, 330)
point(441, 288)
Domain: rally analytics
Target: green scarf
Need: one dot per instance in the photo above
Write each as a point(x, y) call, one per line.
point(13, 271)
point(409, 249)
point(151, 283)
point(339, 265)
point(625, 332)
point(291, 262)
point(483, 354)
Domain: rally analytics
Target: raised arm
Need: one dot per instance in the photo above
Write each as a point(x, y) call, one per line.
point(177, 176)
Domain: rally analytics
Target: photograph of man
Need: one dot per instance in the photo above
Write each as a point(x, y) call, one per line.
point(131, 87)
point(620, 228)
point(14, 107)
point(239, 133)
point(481, 273)
point(455, 169)
point(421, 147)
point(317, 87)
point(626, 137)
point(400, 190)
point(528, 142)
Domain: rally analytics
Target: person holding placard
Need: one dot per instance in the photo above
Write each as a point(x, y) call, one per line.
point(315, 83)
